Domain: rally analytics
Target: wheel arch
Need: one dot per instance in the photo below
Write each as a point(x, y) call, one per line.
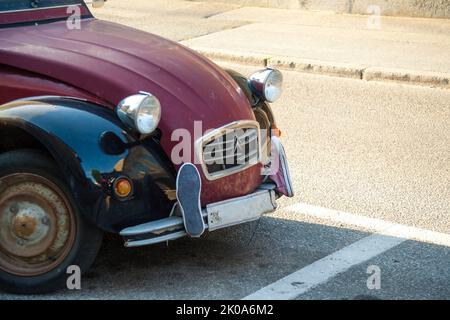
point(69, 131)
point(22, 139)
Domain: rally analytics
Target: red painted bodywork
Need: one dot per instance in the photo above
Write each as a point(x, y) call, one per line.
point(105, 62)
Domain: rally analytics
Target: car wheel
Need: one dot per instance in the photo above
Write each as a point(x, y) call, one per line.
point(41, 230)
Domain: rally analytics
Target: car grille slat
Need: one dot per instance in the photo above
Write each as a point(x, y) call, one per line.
point(231, 149)
point(250, 155)
point(248, 135)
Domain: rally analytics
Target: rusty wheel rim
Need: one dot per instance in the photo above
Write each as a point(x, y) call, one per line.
point(37, 225)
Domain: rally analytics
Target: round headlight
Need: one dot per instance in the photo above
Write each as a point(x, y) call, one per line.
point(140, 112)
point(267, 84)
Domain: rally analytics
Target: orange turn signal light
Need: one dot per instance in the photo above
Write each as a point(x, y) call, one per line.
point(276, 131)
point(123, 187)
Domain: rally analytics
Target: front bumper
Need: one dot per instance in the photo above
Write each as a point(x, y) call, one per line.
point(217, 216)
point(222, 214)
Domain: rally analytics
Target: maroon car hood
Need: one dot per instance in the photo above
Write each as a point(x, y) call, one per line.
point(112, 61)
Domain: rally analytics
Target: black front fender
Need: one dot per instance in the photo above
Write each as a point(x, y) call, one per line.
point(73, 132)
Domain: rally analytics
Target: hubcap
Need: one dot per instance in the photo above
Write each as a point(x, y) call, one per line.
point(37, 225)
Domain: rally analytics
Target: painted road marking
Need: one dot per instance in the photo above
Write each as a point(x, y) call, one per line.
point(389, 235)
point(379, 226)
point(325, 269)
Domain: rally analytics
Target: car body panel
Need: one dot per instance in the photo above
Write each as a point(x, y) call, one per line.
point(71, 130)
point(18, 84)
point(110, 61)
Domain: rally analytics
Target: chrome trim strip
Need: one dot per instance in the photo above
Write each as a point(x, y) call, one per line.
point(169, 237)
point(201, 142)
point(160, 226)
point(156, 228)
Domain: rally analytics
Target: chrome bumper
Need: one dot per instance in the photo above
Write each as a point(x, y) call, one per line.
point(217, 216)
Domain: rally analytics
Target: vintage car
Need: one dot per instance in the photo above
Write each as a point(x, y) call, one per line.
point(105, 128)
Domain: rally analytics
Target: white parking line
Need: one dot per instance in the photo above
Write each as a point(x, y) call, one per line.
point(389, 235)
point(379, 226)
point(323, 270)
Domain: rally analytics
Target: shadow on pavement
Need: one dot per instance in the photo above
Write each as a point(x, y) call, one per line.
point(226, 264)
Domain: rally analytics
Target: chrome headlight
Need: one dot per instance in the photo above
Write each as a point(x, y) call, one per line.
point(267, 84)
point(140, 112)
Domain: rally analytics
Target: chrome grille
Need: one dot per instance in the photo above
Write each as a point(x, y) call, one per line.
point(230, 149)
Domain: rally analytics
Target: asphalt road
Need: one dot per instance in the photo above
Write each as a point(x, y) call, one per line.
point(377, 152)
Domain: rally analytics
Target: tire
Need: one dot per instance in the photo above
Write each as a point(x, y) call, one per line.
point(42, 232)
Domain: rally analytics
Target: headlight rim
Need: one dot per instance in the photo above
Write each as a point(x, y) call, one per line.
point(258, 83)
point(129, 109)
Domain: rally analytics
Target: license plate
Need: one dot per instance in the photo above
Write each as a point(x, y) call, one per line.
point(240, 210)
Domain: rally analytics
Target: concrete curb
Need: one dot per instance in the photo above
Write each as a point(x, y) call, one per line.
point(410, 76)
point(240, 57)
point(319, 67)
point(413, 77)
point(409, 8)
